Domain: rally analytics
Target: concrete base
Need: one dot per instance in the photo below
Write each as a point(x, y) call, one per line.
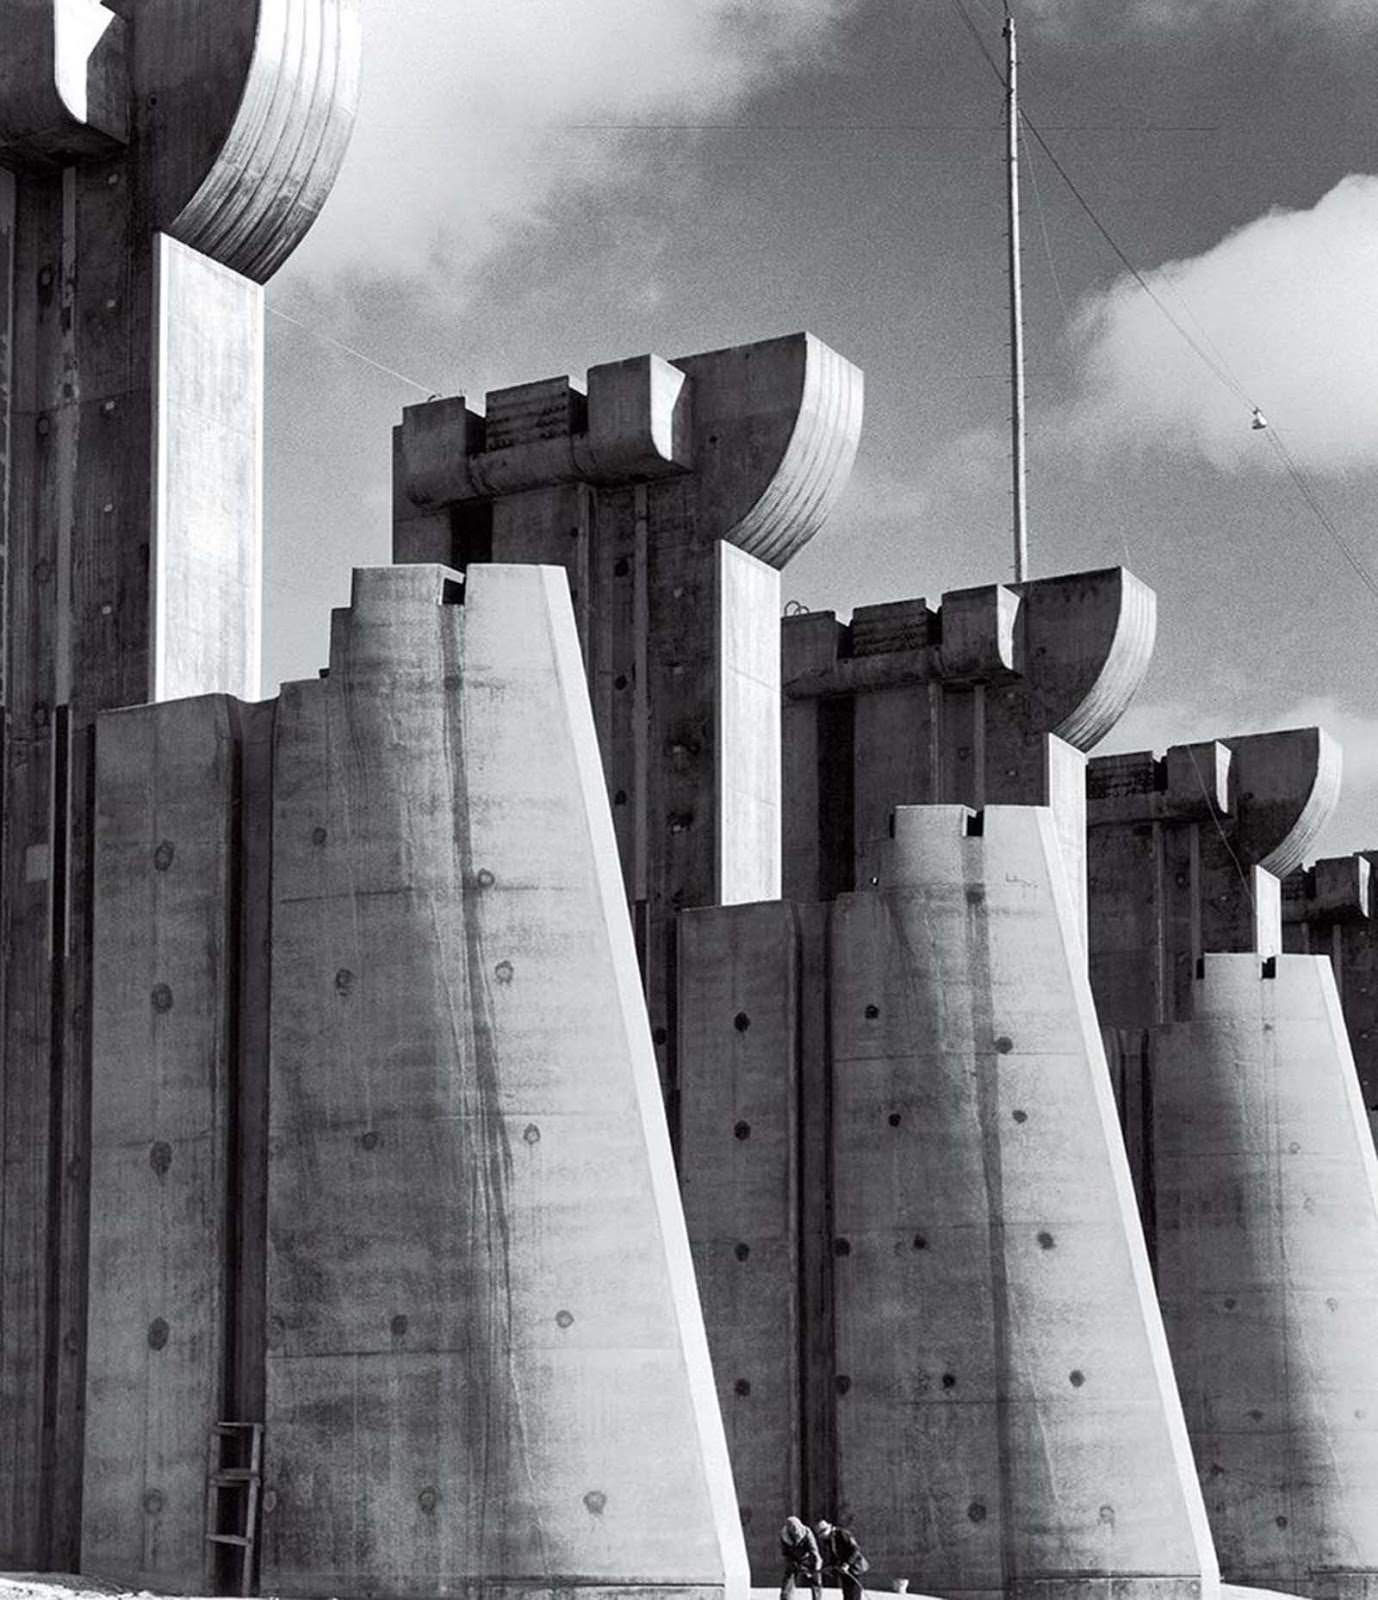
point(1266, 1198)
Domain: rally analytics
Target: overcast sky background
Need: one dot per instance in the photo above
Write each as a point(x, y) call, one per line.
point(538, 185)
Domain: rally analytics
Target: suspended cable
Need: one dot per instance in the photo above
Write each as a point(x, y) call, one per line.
point(1219, 828)
point(976, 35)
point(1043, 229)
point(428, 390)
point(1215, 362)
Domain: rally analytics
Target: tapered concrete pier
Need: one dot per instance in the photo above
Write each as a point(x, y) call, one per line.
point(1246, 1133)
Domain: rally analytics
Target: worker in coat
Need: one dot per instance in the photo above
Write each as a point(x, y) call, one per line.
point(842, 1555)
point(803, 1564)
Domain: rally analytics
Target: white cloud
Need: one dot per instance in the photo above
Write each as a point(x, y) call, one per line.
point(467, 121)
point(1285, 305)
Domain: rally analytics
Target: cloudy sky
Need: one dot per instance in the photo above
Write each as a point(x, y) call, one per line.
point(538, 185)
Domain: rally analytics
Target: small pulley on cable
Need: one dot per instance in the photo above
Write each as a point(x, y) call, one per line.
point(1260, 422)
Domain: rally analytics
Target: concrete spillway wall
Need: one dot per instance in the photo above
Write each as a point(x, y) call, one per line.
point(464, 1282)
point(1246, 1129)
point(909, 1124)
point(1267, 1244)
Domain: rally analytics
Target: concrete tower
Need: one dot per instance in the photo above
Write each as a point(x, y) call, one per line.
point(159, 159)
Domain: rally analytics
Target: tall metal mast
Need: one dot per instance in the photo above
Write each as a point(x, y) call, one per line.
point(1017, 430)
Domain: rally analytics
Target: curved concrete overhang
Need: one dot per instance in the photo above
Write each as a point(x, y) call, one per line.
point(776, 429)
point(236, 113)
point(1083, 643)
point(1285, 787)
point(766, 434)
point(281, 154)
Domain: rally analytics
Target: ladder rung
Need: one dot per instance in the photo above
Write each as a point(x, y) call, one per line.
point(235, 1477)
point(229, 1538)
point(237, 1427)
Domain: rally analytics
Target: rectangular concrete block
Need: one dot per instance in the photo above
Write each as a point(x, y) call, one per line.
point(739, 1048)
point(207, 546)
point(163, 1075)
point(748, 767)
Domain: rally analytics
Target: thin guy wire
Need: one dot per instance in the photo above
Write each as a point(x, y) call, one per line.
point(1043, 228)
point(429, 391)
point(1210, 807)
point(1218, 367)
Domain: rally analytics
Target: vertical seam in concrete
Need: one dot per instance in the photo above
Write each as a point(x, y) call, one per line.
point(1148, 1183)
point(57, 945)
point(68, 421)
point(8, 230)
point(641, 693)
point(1266, 1012)
point(233, 980)
point(1162, 988)
point(977, 943)
point(493, 1157)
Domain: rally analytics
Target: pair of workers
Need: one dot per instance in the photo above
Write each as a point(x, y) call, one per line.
point(812, 1553)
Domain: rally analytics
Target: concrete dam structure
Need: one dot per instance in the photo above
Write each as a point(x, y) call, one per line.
point(605, 1066)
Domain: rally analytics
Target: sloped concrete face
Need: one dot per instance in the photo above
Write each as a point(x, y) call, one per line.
point(1006, 1420)
point(487, 1369)
point(1267, 1253)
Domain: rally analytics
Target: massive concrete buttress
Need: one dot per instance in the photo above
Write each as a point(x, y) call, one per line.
point(1245, 1127)
point(993, 698)
point(1007, 1411)
point(158, 160)
point(899, 1150)
point(479, 1352)
point(1267, 1261)
point(672, 493)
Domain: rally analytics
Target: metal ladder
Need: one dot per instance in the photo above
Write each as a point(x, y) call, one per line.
point(243, 1484)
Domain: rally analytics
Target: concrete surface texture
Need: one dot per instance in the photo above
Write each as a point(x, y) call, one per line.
point(926, 1290)
point(1329, 909)
point(163, 1120)
point(486, 1363)
point(743, 1114)
point(439, 1250)
point(1007, 1418)
point(1267, 1260)
point(484, 1357)
point(992, 698)
point(672, 493)
point(158, 159)
point(1248, 1138)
